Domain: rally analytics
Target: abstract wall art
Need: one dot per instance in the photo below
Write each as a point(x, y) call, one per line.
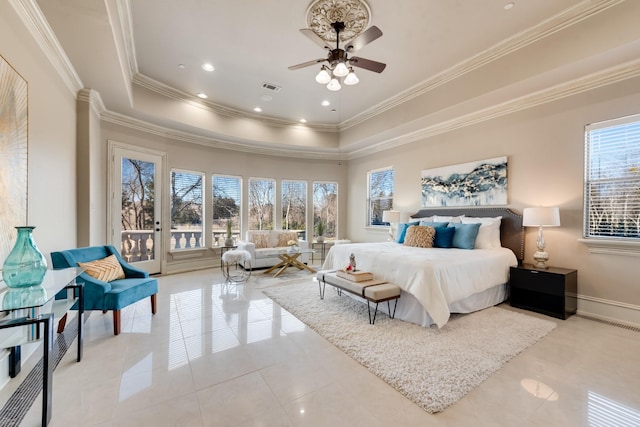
point(13, 155)
point(480, 183)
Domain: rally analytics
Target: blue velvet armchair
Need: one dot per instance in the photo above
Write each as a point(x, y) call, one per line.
point(114, 295)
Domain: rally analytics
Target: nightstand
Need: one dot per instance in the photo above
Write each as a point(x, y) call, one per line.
point(552, 291)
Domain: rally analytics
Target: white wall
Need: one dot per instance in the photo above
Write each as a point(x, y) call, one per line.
point(545, 148)
point(52, 143)
point(52, 137)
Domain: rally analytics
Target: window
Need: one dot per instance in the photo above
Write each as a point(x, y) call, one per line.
point(325, 208)
point(226, 204)
point(294, 206)
point(380, 195)
point(186, 210)
point(612, 179)
point(261, 203)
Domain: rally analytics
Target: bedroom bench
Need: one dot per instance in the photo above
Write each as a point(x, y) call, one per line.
point(375, 291)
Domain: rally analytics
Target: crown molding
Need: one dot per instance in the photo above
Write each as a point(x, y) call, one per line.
point(242, 145)
point(94, 99)
point(173, 93)
point(35, 22)
point(586, 83)
point(527, 37)
point(120, 23)
point(126, 20)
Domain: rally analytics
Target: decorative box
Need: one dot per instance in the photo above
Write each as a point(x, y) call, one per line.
point(356, 276)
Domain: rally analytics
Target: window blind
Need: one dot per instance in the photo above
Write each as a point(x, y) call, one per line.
point(186, 199)
point(612, 179)
point(380, 195)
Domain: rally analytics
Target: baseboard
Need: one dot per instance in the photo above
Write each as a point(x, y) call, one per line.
point(609, 311)
point(187, 266)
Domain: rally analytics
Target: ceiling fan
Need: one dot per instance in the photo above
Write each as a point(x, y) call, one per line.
point(340, 64)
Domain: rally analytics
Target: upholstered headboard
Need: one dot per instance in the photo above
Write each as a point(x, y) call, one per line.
point(511, 229)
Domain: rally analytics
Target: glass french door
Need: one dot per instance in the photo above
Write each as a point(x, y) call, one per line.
point(136, 206)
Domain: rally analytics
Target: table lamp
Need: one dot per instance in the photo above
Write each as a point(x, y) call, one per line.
point(392, 217)
point(541, 217)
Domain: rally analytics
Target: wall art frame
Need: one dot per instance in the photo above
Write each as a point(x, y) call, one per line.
point(14, 136)
point(480, 183)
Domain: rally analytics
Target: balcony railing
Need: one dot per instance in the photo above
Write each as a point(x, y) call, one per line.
point(138, 245)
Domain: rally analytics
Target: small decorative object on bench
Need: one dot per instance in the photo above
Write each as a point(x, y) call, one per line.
point(355, 276)
point(372, 290)
point(350, 272)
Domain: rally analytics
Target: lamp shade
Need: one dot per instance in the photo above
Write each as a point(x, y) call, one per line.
point(541, 217)
point(334, 85)
point(390, 216)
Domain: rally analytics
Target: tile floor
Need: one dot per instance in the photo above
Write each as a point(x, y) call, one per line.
point(219, 355)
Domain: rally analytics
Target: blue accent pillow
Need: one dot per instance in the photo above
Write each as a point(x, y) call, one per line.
point(465, 235)
point(444, 237)
point(402, 230)
point(433, 224)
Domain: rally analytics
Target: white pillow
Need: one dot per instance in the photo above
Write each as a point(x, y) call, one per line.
point(489, 232)
point(454, 219)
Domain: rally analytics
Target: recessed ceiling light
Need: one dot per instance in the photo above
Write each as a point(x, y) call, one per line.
point(257, 110)
point(208, 67)
point(266, 98)
point(325, 103)
point(303, 120)
point(509, 5)
point(202, 95)
point(180, 65)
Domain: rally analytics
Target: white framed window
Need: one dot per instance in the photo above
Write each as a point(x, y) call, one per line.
point(226, 204)
point(294, 206)
point(186, 209)
point(262, 199)
point(379, 195)
point(612, 181)
point(325, 208)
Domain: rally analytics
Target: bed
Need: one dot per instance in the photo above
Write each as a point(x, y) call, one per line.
point(436, 282)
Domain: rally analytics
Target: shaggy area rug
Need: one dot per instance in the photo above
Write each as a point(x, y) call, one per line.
point(432, 367)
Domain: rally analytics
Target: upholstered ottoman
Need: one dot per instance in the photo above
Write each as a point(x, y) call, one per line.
point(236, 257)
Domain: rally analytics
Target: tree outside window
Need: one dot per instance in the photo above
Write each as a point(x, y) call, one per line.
point(294, 206)
point(261, 203)
point(186, 210)
point(227, 204)
point(137, 195)
point(380, 195)
point(325, 208)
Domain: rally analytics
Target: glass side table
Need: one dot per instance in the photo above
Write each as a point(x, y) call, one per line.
point(31, 311)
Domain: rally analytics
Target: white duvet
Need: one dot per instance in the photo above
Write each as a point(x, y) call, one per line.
point(435, 277)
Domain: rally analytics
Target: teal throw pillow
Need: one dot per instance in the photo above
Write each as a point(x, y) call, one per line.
point(444, 237)
point(465, 235)
point(402, 230)
point(433, 224)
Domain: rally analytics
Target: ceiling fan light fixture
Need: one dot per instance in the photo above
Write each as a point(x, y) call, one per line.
point(341, 70)
point(334, 85)
point(323, 76)
point(351, 78)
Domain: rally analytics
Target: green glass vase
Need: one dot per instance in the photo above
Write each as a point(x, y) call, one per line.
point(25, 265)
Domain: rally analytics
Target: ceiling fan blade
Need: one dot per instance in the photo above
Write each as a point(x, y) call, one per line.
point(367, 64)
point(364, 39)
point(307, 64)
point(315, 38)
